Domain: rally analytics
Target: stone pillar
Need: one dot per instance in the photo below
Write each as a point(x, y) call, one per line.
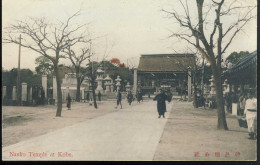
point(24, 92)
point(14, 94)
point(54, 87)
point(234, 109)
point(135, 81)
point(82, 94)
point(30, 95)
point(189, 85)
point(3, 92)
point(44, 85)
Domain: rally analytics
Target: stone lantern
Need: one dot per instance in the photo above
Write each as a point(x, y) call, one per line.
point(99, 80)
point(118, 79)
point(112, 86)
point(107, 83)
point(212, 86)
point(128, 87)
point(225, 87)
point(153, 83)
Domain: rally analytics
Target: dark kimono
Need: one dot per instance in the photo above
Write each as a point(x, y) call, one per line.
point(129, 98)
point(68, 102)
point(161, 106)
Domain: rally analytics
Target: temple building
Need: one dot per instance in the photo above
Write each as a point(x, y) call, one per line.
point(167, 71)
point(243, 74)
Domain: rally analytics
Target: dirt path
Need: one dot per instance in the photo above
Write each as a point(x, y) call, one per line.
point(191, 134)
point(22, 123)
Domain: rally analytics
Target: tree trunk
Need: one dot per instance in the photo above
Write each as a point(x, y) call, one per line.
point(195, 100)
point(202, 78)
point(222, 124)
point(59, 94)
point(93, 92)
point(78, 89)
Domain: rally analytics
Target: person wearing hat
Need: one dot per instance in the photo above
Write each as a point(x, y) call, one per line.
point(251, 114)
point(161, 107)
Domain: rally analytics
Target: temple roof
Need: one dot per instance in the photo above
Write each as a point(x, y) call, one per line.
point(242, 64)
point(244, 71)
point(166, 62)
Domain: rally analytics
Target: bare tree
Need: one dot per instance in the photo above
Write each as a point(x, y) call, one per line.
point(212, 50)
point(193, 72)
point(48, 40)
point(93, 66)
point(77, 59)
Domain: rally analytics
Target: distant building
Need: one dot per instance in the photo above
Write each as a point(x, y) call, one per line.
point(69, 84)
point(167, 71)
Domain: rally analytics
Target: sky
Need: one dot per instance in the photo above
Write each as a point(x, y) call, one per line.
point(128, 28)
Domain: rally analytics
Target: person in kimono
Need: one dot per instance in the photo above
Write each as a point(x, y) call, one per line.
point(68, 99)
point(161, 106)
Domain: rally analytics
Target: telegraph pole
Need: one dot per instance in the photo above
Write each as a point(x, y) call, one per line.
point(18, 75)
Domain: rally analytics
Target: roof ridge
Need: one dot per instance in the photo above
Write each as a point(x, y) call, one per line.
point(170, 55)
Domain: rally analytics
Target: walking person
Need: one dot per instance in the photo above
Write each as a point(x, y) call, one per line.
point(161, 106)
point(87, 97)
point(138, 97)
point(118, 99)
point(242, 102)
point(141, 96)
point(68, 99)
point(99, 96)
point(129, 97)
point(251, 115)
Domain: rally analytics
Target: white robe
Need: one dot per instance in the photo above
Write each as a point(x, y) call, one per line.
point(251, 117)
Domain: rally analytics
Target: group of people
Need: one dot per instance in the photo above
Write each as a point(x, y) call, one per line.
point(160, 98)
point(129, 96)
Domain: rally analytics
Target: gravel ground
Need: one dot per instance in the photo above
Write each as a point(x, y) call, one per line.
point(191, 134)
point(22, 123)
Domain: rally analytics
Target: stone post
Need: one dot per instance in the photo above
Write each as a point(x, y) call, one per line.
point(54, 88)
point(4, 92)
point(30, 95)
point(189, 85)
point(82, 94)
point(24, 92)
point(14, 94)
point(44, 85)
point(135, 81)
